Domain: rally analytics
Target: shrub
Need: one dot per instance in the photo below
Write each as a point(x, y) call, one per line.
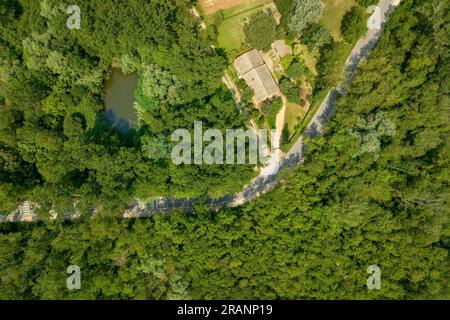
point(260, 31)
point(286, 61)
point(290, 89)
point(315, 36)
point(213, 30)
point(354, 24)
point(296, 69)
point(285, 134)
point(160, 85)
point(155, 148)
point(270, 109)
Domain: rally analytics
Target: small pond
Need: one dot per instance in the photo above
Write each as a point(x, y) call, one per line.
point(119, 100)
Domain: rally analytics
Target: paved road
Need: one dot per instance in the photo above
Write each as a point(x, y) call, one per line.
point(268, 179)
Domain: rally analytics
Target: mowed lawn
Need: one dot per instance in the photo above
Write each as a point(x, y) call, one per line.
point(333, 13)
point(293, 116)
point(231, 31)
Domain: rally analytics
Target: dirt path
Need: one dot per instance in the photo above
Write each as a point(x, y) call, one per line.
point(280, 120)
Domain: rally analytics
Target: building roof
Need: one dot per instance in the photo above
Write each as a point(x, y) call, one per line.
point(262, 82)
point(247, 62)
point(281, 48)
point(256, 74)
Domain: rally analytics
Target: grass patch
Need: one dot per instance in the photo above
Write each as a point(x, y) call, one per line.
point(317, 101)
point(309, 57)
point(332, 15)
point(293, 116)
point(278, 75)
point(231, 34)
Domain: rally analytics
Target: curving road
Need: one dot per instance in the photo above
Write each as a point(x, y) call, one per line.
point(268, 177)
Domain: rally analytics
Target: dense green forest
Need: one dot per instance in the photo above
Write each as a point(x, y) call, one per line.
point(56, 147)
point(374, 189)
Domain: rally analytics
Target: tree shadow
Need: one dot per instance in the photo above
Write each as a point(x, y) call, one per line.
point(111, 131)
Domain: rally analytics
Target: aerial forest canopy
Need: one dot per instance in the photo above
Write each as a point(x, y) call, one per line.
point(373, 190)
point(57, 149)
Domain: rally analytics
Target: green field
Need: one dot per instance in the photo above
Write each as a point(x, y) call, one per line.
point(293, 116)
point(231, 33)
point(333, 13)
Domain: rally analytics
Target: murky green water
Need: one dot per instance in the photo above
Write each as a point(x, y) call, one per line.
point(119, 100)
